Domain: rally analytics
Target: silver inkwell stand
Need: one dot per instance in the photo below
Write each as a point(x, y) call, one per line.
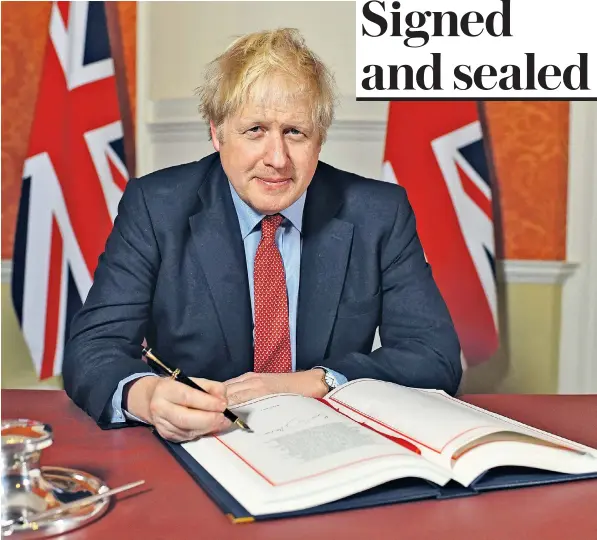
point(33, 495)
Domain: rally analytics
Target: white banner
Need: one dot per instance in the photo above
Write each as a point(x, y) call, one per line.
point(471, 49)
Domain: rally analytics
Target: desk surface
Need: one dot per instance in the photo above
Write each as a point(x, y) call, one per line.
point(172, 505)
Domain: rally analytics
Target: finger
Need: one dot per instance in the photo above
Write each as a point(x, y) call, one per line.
point(243, 395)
point(241, 386)
point(183, 434)
point(177, 435)
point(171, 432)
point(215, 388)
point(240, 378)
point(221, 424)
point(165, 434)
point(200, 422)
point(245, 391)
point(181, 394)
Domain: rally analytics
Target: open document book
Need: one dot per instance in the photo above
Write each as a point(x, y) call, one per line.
point(368, 443)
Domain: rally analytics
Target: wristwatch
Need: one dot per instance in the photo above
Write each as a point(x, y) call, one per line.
point(329, 379)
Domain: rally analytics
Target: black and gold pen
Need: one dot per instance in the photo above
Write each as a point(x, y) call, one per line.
point(179, 376)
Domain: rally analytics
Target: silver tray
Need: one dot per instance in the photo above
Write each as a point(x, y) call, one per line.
point(64, 486)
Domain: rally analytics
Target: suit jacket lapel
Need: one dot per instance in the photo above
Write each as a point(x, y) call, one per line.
point(324, 259)
point(219, 248)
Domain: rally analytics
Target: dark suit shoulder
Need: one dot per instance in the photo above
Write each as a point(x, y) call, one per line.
point(171, 194)
point(362, 196)
point(177, 179)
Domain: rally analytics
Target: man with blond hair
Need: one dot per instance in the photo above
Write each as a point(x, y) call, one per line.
point(258, 269)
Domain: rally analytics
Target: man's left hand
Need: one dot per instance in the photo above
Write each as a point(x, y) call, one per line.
point(253, 385)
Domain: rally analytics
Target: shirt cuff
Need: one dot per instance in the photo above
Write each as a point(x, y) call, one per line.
point(117, 413)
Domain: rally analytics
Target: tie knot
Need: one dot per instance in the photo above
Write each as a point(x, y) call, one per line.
point(269, 226)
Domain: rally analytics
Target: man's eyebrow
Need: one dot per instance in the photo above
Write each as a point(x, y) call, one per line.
point(252, 120)
point(298, 123)
point(304, 124)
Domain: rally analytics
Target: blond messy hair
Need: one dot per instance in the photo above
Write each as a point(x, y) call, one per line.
point(250, 64)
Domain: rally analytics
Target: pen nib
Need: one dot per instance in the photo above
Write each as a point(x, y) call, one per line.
point(243, 426)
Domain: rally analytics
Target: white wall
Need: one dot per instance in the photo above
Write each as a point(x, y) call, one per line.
point(194, 33)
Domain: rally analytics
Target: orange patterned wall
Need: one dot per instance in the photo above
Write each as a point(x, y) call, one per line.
point(24, 36)
point(530, 150)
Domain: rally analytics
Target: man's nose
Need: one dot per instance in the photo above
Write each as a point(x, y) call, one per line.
point(276, 155)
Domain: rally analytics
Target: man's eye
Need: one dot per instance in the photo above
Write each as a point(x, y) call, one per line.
point(254, 129)
point(294, 131)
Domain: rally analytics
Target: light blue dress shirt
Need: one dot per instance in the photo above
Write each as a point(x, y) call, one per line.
point(289, 242)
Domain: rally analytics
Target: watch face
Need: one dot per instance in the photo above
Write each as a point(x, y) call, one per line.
point(330, 380)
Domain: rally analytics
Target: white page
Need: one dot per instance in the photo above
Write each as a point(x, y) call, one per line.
point(296, 437)
point(518, 453)
point(433, 420)
point(302, 454)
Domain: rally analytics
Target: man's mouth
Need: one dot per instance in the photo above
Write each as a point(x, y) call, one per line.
point(274, 181)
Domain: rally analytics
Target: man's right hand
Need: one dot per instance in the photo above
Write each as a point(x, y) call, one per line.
point(178, 412)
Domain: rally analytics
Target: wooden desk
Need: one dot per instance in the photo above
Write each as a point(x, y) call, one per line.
point(173, 506)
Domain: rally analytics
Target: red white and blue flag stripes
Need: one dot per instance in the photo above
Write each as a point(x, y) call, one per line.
point(435, 150)
point(73, 178)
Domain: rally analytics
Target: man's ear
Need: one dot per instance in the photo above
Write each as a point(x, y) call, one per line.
point(214, 136)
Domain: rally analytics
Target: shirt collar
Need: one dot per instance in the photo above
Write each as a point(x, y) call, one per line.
point(248, 218)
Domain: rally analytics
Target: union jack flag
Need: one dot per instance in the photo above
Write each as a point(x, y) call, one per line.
point(435, 150)
point(73, 178)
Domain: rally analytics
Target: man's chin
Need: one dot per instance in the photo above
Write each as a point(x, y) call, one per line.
point(272, 203)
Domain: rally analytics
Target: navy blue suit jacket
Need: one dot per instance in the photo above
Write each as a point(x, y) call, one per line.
point(174, 272)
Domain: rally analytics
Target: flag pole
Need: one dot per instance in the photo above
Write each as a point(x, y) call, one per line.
point(499, 239)
point(496, 195)
point(115, 36)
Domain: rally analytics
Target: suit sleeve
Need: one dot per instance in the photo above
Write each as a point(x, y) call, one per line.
point(104, 346)
point(420, 347)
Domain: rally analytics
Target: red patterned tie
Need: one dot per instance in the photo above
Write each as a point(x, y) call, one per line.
point(272, 334)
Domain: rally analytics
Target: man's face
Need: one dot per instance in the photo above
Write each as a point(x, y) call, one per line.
point(269, 153)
